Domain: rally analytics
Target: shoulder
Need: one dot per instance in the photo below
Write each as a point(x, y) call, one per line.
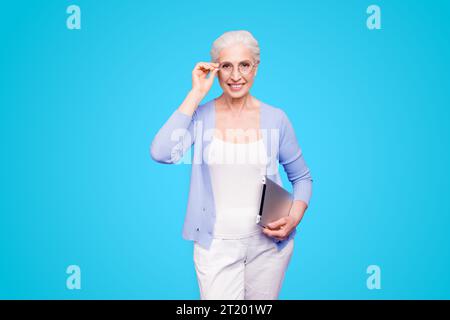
point(275, 113)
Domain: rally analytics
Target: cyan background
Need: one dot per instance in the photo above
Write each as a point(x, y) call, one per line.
point(79, 109)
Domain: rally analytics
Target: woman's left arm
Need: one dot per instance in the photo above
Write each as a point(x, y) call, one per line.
point(298, 173)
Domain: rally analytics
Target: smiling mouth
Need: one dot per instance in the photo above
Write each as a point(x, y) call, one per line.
point(236, 86)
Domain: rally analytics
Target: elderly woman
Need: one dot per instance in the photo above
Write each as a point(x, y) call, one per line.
point(237, 139)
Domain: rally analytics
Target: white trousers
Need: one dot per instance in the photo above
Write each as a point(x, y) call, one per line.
point(250, 268)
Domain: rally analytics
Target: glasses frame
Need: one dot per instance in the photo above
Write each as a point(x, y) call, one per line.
point(253, 65)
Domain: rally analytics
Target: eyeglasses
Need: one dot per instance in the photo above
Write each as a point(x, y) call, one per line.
point(245, 67)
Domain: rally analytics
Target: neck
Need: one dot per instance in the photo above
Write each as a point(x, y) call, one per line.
point(236, 104)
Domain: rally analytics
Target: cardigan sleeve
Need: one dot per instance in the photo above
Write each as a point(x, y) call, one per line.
point(291, 157)
point(174, 138)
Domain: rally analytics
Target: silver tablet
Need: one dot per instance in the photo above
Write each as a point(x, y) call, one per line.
point(276, 202)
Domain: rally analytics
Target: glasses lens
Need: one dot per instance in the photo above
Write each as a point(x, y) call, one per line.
point(245, 67)
point(226, 67)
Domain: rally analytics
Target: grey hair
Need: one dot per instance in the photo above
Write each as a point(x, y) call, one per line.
point(234, 37)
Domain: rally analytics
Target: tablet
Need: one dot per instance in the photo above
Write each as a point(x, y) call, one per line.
point(276, 202)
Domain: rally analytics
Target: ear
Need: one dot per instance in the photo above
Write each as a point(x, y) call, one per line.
point(256, 69)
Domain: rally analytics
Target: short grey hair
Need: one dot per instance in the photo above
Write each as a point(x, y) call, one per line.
point(234, 37)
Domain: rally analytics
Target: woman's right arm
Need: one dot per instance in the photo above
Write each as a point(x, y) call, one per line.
point(177, 133)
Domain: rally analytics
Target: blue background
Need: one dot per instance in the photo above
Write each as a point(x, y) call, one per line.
point(79, 109)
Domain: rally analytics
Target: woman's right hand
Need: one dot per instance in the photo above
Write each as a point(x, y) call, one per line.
point(200, 83)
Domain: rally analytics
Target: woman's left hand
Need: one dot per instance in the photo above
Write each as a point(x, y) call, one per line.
point(281, 228)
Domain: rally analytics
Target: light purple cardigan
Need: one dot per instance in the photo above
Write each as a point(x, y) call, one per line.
point(180, 131)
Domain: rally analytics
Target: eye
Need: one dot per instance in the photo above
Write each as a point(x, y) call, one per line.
point(227, 66)
point(244, 66)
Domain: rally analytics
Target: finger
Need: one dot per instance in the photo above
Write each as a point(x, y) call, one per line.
point(207, 70)
point(212, 66)
point(275, 233)
point(278, 223)
point(211, 69)
point(199, 70)
point(206, 66)
point(276, 237)
point(201, 66)
point(213, 72)
point(204, 69)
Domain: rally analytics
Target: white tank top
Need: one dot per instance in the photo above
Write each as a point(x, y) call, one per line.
point(236, 170)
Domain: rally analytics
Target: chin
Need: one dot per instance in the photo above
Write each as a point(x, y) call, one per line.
point(237, 94)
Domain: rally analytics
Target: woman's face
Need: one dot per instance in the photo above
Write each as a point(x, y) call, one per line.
point(238, 70)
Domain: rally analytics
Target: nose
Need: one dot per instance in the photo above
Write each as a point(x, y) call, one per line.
point(235, 75)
